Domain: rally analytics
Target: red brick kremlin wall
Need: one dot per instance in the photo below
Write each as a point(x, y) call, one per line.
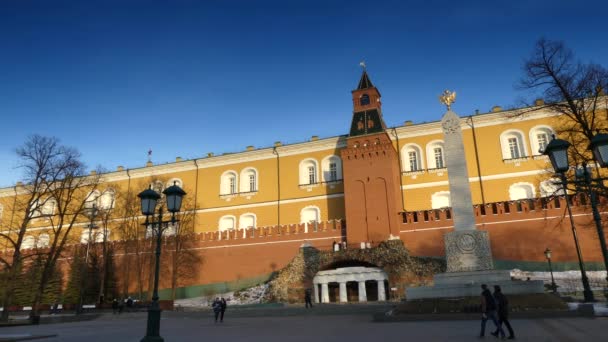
point(519, 231)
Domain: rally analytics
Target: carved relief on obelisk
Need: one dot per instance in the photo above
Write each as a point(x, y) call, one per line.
point(467, 249)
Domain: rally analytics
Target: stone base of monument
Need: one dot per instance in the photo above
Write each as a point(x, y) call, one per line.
point(469, 264)
point(468, 284)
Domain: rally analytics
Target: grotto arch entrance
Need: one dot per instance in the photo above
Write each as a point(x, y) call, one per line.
point(350, 281)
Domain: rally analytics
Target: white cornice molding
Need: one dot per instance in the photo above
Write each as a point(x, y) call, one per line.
point(228, 159)
point(479, 120)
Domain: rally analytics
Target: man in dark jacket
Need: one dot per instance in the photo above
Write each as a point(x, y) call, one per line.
point(217, 308)
point(503, 313)
point(307, 298)
point(488, 310)
point(223, 306)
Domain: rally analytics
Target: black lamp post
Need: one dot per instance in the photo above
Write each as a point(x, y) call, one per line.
point(548, 256)
point(149, 199)
point(557, 150)
point(91, 212)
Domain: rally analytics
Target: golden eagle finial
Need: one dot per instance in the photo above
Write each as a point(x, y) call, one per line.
point(447, 98)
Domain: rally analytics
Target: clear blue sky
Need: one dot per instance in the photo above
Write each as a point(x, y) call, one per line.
point(115, 78)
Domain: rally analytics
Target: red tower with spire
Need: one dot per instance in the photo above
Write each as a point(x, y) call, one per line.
point(371, 171)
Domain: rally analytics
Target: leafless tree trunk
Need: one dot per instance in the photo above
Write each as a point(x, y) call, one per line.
point(47, 167)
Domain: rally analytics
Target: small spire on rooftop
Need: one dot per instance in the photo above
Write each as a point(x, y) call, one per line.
point(364, 82)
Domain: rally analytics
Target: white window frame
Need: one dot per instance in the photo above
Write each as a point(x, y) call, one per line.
point(176, 181)
point(306, 222)
point(326, 165)
point(551, 187)
point(28, 242)
point(534, 132)
point(430, 153)
point(305, 175)
point(246, 174)
point(521, 144)
point(222, 227)
point(225, 186)
point(405, 157)
point(107, 199)
point(438, 199)
point(43, 240)
point(243, 220)
point(515, 188)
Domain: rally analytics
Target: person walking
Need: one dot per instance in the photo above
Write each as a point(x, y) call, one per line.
point(488, 310)
point(222, 309)
point(307, 298)
point(503, 313)
point(115, 306)
point(217, 308)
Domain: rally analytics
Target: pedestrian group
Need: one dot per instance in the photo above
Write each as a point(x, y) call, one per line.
point(496, 308)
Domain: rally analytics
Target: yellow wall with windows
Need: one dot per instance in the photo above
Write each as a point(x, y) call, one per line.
point(278, 172)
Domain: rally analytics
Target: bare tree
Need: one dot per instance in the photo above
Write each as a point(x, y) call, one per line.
point(70, 190)
point(132, 234)
point(52, 175)
point(184, 261)
point(574, 89)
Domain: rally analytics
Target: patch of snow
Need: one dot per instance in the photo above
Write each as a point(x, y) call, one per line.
point(252, 295)
point(566, 281)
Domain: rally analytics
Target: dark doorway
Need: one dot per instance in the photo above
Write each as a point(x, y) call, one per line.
point(371, 290)
point(352, 291)
point(334, 292)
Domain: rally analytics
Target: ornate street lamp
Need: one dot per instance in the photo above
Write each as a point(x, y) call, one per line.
point(557, 150)
point(599, 146)
point(149, 198)
point(548, 256)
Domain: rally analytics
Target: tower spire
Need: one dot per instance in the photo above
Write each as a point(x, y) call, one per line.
point(364, 82)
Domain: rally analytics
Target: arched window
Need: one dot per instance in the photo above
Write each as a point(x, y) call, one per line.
point(412, 158)
point(513, 144)
point(43, 240)
point(332, 168)
point(28, 242)
point(175, 181)
point(434, 154)
point(86, 233)
point(249, 180)
point(99, 235)
point(539, 138)
point(171, 229)
point(441, 199)
point(1, 211)
point(227, 222)
point(364, 100)
point(551, 187)
point(92, 199)
point(46, 208)
point(310, 216)
point(158, 186)
point(106, 200)
point(521, 190)
point(247, 221)
point(228, 183)
point(308, 171)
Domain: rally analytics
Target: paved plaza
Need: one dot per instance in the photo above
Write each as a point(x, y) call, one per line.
point(185, 327)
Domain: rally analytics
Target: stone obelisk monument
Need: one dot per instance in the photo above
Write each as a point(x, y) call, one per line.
point(467, 249)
